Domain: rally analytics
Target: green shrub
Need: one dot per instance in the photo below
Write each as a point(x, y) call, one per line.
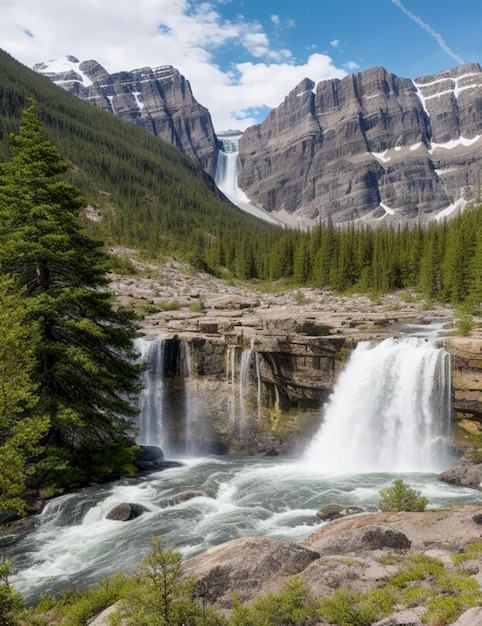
point(401, 497)
point(418, 568)
point(197, 306)
point(472, 551)
point(11, 603)
point(345, 608)
point(291, 606)
point(77, 608)
point(465, 325)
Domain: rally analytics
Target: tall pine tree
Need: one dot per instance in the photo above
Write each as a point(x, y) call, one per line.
point(84, 363)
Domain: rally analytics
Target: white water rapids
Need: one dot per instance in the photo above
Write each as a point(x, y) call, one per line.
point(387, 410)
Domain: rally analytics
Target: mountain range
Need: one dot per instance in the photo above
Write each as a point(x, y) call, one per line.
point(372, 146)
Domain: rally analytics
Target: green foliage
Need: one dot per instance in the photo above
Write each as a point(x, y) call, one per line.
point(465, 325)
point(84, 365)
point(159, 596)
point(197, 306)
point(472, 551)
point(418, 568)
point(345, 608)
point(11, 604)
point(121, 265)
point(300, 298)
point(79, 607)
point(401, 497)
point(21, 428)
point(290, 607)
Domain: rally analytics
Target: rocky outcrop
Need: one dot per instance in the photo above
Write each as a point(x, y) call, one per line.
point(358, 554)
point(158, 100)
point(466, 353)
point(246, 565)
point(370, 146)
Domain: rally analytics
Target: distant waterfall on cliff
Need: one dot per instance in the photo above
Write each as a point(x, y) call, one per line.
point(226, 177)
point(389, 411)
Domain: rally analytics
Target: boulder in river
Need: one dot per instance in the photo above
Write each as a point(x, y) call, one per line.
point(126, 511)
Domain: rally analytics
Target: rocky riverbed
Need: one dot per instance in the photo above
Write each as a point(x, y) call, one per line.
point(172, 297)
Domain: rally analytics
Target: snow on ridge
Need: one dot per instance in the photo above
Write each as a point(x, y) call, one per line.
point(111, 100)
point(453, 143)
point(422, 98)
point(388, 210)
point(62, 65)
point(381, 156)
point(456, 90)
point(136, 95)
point(441, 80)
point(452, 208)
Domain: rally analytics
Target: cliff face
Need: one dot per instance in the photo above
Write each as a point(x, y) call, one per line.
point(466, 353)
point(158, 100)
point(369, 146)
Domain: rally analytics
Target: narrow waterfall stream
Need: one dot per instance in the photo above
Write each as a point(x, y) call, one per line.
point(400, 386)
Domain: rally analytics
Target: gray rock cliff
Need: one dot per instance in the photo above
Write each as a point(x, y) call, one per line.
point(158, 100)
point(370, 146)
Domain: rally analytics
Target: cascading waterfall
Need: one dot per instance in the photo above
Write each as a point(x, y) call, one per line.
point(151, 398)
point(245, 364)
point(389, 411)
point(226, 177)
point(240, 374)
point(165, 357)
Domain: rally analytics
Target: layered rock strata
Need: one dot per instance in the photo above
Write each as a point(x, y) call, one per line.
point(158, 100)
point(371, 146)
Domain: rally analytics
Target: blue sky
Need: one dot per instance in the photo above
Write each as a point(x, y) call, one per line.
point(243, 57)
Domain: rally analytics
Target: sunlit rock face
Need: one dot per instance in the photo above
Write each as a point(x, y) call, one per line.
point(371, 147)
point(158, 100)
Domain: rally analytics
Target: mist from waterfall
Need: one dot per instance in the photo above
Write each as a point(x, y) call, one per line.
point(389, 411)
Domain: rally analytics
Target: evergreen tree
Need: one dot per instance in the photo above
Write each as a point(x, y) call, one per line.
point(21, 429)
point(84, 360)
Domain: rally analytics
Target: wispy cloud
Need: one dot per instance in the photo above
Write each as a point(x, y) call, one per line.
point(438, 38)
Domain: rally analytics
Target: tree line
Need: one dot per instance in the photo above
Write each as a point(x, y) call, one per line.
point(442, 260)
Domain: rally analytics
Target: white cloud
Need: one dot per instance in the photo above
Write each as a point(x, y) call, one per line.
point(123, 35)
point(335, 43)
point(351, 66)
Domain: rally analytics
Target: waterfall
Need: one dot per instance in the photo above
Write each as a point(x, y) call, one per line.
point(151, 398)
point(389, 411)
point(243, 368)
point(246, 357)
point(166, 412)
point(226, 177)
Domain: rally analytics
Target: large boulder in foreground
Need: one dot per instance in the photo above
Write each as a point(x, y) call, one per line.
point(246, 565)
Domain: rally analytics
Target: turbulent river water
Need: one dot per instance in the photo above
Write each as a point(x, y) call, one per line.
point(392, 397)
